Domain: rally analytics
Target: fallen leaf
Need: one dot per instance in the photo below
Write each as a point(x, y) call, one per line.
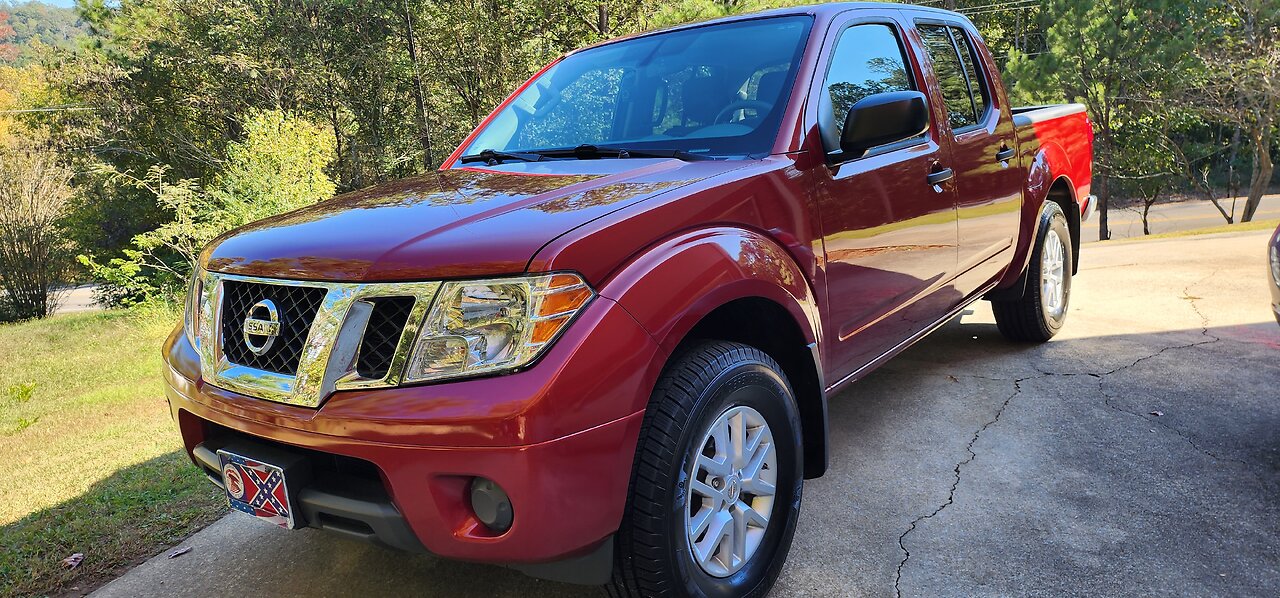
point(1157, 413)
point(952, 378)
point(73, 561)
point(179, 552)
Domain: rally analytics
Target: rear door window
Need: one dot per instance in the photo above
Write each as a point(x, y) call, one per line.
point(950, 72)
point(978, 88)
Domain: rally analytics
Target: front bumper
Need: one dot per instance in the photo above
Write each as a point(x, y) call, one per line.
point(559, 438)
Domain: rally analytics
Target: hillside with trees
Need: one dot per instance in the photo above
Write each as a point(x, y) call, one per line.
point(34, 27)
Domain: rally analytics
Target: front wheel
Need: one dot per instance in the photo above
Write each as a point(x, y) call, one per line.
point(717, 479)
point(1042, 309)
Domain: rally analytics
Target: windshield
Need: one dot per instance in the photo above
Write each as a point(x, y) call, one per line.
point(718, 90)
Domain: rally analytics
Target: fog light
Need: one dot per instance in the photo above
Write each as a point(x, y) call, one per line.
point(491, 505)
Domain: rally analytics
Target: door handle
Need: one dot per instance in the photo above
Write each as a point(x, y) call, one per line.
point(1004, 154)
point(939, 177)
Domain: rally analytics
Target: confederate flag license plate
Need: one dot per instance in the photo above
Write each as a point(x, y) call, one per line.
point(256, 488)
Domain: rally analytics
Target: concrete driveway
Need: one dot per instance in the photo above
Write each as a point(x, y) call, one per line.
point(1137, 453)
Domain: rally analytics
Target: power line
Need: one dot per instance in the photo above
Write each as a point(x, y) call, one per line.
point(55, 109)
point(1001, 7)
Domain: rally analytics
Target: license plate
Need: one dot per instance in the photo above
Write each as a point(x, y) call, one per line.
point(256, 488)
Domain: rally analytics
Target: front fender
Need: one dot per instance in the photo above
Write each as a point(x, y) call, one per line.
point(671, 286)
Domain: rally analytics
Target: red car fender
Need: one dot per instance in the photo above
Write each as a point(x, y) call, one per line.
point(671, 286)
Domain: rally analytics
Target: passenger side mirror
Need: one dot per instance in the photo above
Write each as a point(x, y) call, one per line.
point(883, 118)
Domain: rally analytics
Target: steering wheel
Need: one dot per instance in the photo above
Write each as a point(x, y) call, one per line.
point(736, 105)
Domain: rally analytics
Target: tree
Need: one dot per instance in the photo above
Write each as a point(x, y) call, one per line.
point(38, 28)
point(8, 50)
point(1146, 153)
point(278, 167)
point(1117, 57)
point(1242, 85)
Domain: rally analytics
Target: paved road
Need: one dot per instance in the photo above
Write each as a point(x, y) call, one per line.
point(1178, 216)
point(969, 466)
point(77, 299)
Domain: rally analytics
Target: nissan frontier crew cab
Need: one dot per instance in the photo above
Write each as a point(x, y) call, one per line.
point(598, 344)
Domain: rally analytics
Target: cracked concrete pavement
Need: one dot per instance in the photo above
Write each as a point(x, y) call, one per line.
point(1136, 453)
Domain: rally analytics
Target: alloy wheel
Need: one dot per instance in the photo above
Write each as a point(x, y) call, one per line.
point(1053, 274)
point(733, 481)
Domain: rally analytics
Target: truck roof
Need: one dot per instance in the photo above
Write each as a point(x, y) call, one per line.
point(824, 10)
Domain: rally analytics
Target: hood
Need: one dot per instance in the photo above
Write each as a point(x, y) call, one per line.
point(462, 222)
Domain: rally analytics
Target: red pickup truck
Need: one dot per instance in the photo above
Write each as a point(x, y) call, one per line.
point(598, 344)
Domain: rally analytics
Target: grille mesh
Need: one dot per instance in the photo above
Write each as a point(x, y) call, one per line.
point(297, 308)
point(382, 335)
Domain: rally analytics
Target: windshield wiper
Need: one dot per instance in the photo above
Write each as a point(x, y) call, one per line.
point(492, 157)
point(587, 151)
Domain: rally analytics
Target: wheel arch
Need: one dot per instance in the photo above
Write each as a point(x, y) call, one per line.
point(739, 321)
point(1047, 182)
point(734, 284)
point(1062, 192)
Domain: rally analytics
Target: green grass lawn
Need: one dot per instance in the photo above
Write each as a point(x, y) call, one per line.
point(92, 461)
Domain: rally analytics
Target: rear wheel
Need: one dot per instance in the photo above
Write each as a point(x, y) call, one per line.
point(1042, 309)
point(717, 479)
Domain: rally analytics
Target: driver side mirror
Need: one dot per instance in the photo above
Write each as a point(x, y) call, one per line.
point(883, 118)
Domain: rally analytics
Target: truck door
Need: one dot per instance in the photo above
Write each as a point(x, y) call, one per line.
point(983, 152)
point(889, 232)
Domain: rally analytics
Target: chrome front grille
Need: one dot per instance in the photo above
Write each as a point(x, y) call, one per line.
point(328, 336)
point(297, 306)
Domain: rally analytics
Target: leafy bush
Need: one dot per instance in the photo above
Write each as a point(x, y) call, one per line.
point(35, 192)
point(278, 167)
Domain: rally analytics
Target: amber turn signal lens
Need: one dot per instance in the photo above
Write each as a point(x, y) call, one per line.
point(559, 302)
point(545, 330)
point(559, 281)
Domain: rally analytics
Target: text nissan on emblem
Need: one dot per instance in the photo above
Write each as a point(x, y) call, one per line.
point(261, 326)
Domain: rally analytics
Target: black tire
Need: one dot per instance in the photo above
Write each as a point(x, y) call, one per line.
point(699, 385)
point(1029, 318)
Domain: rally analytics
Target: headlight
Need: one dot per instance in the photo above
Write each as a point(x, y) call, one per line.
point(191, 313)
point(486, 326)
point(1275, 265)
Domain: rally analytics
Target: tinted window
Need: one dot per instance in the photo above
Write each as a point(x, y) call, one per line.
point(867, 60)
point(586, 113)
point(977, 85)
point(950, 74)
point(718, 89)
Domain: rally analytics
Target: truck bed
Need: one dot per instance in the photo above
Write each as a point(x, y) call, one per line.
point(1060, 135)
point(1029, 115)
